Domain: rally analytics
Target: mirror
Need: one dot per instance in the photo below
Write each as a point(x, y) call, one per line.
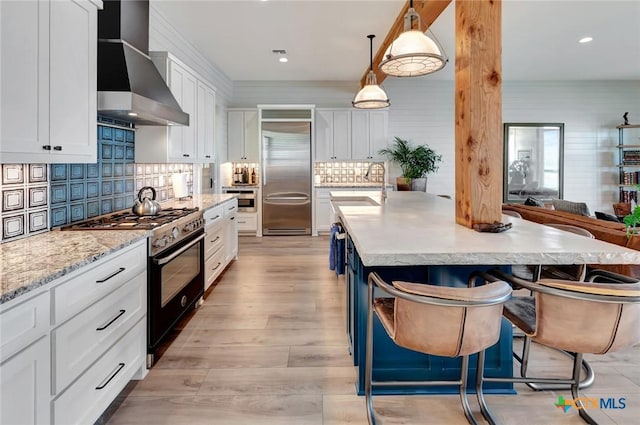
point(533, 154)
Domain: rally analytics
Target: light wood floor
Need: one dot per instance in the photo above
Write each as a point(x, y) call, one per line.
point(269, 347)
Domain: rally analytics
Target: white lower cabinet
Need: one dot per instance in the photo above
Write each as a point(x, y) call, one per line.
point(82, 339)
point(85, 400)
point(24, 379)
point(68, 348)
point(221, 242)
point(248, 222)
point(322, 211)
point(99, 339)
point(231, 230)
point(25, 368)
point(214, 266)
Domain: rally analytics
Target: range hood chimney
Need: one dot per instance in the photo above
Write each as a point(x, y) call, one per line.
point(130, 87)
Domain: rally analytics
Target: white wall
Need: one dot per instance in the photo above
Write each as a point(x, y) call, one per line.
point(422, 110)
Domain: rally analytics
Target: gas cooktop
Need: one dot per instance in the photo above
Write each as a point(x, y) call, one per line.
point(126, 220)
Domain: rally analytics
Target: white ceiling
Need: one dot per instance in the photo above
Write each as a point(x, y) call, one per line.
point(326, 39)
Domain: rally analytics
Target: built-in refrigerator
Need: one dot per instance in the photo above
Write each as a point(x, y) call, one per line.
point(286, 178)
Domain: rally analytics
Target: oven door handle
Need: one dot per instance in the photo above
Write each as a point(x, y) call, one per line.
point(165, 260)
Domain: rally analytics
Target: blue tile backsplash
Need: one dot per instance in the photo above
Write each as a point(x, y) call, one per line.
point(37, 197)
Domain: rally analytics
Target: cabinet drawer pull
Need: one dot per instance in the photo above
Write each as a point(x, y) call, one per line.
point(216, 239)
point(47, 147)
point(215, 218)
point(231, 208)
point(232, 218)
point(216, 267)
point(57, 148)
point(101, 328)
point(207, 156)
point(186, 155)
point(113, 375)
point(242, 222)
point(120, 270)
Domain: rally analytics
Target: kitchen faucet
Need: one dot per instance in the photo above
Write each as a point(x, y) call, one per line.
point(383, 194)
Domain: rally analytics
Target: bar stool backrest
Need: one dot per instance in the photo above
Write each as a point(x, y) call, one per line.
point(581, 317)
point(449, 331)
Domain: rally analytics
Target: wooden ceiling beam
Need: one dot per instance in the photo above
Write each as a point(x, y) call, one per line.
point(428, 11)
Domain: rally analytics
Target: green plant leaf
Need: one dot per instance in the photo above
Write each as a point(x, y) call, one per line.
point(415, 162)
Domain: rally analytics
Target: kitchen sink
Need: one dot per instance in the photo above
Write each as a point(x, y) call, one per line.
point(353, 201)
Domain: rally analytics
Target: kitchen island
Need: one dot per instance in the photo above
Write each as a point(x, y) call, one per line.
point(414, 237)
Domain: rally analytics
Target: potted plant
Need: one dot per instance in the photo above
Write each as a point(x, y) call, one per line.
point(415, 163)
point(632, 221)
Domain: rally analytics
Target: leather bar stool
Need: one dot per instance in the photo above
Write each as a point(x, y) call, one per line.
point(575, 272)
point(577, 317)
point(436, 320)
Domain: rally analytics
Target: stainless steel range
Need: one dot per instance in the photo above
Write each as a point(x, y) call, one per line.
point(175, 266)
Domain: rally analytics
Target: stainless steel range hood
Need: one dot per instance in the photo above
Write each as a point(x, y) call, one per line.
point(130, 87)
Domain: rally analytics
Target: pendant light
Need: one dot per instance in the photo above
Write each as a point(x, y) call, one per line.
point(413, 53)
point(371, 96)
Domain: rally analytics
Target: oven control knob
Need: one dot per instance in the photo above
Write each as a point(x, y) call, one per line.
point(160, 243)
point(188, 227)
point(175, 233)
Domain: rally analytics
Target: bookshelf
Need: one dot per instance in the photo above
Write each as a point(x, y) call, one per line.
point(629, 161)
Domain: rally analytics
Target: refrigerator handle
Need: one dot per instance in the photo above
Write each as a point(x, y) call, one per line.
point(285, 201)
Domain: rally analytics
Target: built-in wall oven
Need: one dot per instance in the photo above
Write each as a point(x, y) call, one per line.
point(247, 198)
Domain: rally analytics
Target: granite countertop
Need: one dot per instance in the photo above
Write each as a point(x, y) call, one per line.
point(417, 228)
point(29, 263)
point(202, 202)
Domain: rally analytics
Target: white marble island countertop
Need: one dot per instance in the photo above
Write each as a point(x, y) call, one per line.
point(417, 228)
point(27, 264)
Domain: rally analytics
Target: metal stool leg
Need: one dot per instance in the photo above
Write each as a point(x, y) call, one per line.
point(524, 363)
point(464, 373)
point(479, 391)
point(575, 391)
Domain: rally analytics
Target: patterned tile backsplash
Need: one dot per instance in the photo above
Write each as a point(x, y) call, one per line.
point(345, 172)
point(37, 197)
point(25, 189)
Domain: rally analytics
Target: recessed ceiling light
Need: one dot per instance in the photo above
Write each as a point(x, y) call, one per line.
point(585, 39)
point(282, 55)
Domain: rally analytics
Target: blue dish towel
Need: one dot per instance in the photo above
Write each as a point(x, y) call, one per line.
point(336, 250)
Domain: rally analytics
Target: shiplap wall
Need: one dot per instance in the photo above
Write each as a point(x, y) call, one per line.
point(422, 110)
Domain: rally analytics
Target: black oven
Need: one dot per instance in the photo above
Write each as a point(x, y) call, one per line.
point(176, 284)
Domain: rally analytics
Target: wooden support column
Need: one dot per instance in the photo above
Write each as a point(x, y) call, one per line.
point(478, 111)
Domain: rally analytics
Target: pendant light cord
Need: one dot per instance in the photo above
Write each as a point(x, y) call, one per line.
point(371, 37)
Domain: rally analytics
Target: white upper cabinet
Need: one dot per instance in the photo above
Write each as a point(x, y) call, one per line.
point(242, 135)
point(332, 135)
point(48, 81)
point(369, 134)
point(206, 122)
point(182, 138)
point(181, 144)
